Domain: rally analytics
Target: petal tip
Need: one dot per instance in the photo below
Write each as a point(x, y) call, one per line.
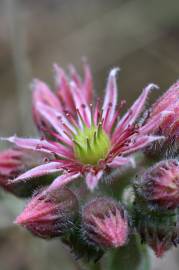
point(152, 86)
point(8, 139)
point(114, 71)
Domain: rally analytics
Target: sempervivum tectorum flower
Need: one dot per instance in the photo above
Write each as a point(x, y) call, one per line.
point(169, 126)
point(159, 185)
point(50, 214)
point(86, 140)
point(105, 223)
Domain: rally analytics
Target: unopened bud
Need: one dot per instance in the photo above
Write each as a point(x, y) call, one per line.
point(105, 223)
point(169, 126)
point(13, 162)
point(158, 229)
point(50, 214)
point(159, 185)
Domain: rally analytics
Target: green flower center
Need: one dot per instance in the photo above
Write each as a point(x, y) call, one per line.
point(91, 145)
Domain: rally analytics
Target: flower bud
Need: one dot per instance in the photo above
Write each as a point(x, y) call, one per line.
point(13, 162)
point(158, 229)
point(159, 185)
point(10, 166)
point(50, 214)
point(169, 126)
point(105, 223)
point(10, 162)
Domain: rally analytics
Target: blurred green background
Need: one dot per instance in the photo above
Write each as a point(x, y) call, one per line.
point(140, 36)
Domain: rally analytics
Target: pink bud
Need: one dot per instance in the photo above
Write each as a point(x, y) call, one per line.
point(160, 246)
point(157, 238)
point(105, 223)
point(169, 126)
point(158, 229)
point(50, 214)
point(160, 184)
point(13, 162)
point(10, 166)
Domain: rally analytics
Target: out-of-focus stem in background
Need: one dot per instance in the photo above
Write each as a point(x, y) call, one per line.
point(18, 39)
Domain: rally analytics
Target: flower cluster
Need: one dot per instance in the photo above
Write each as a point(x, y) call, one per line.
point(84, 140)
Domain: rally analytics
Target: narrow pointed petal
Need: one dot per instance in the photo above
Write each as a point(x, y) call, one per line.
point(56, 120)
point(26, 143)
point(167, 100)
point(74, 76)
point(93, 179)
point(40, 145)
point(38, 171)
point(42, 93)
point(133, 113)
point(154, 122)
point(121, 161)
point(63, 180)
point(110, 99)
point(87, 87)
point(140, 143)
point(81, 104)
point(63, 88)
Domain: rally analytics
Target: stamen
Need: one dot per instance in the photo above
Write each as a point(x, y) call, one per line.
point(81, 118)
point(91, 144)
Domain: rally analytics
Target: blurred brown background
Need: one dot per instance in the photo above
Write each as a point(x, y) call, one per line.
point(140, 36)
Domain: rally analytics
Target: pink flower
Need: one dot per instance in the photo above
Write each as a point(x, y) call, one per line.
point(160, 184)
point(50, 214)
point(169, 126)
point(105, 223)
point(86, 140)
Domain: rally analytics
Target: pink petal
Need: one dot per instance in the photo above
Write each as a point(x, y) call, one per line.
point(97, 111)
point(41, 93)
point(87, 87)
point(38, 171)
point(63, 88)
point(167, 100)
point(75, 77)
point(140, 143)
point(154, 122)
point(110, 99)
point(92, 179)
point(133, 113)
point(81, 104)
point(26, 143)
point(56, 119)
point(121, 161)
point(41, 146)
point(63, 180)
